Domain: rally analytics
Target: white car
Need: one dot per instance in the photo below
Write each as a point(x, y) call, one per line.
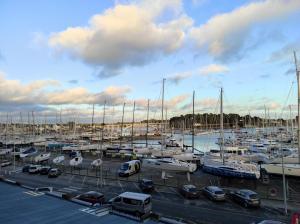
point(34, 169)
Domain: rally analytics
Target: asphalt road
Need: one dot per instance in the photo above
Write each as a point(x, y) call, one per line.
point(166, 200)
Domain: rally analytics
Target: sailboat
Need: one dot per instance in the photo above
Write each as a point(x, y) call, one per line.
point(284, 168)
point(230, 168)
point(97, 163)
point(42, 157)
point(168, 164)
point(58, 160)
point(76, 161)
point(27, 152)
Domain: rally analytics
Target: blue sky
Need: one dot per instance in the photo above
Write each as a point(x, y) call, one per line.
point(130, 46)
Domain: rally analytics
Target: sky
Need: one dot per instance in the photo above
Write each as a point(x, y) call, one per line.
point(61, 57)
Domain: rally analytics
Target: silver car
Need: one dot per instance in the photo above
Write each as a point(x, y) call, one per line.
point(214, 193)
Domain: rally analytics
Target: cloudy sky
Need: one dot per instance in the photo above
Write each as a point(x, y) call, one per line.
point(64, 56)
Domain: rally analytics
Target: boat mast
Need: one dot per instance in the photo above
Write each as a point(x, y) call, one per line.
point(193, 124)
point(132, 124)
point(298, 84)
point(93, 128)
point(292, 123)
point(221, 127)
point(162, 114)
point(103, 120)
point(122, 125)
point(147, 127)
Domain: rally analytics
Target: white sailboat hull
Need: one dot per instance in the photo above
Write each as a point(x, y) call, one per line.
point(169, 165)
point(42, 157)
point(76, 161)
point(58, 159)
point(289, 169)
point(97, 163)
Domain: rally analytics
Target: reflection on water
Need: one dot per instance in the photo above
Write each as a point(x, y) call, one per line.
point(203, 142)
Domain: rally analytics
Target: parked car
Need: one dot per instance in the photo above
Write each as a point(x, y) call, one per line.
point(214, 193)
point(132, 202)
point(33, 169)
point(146, 185)
point(54, 172)
point(25, 168)
point(92, 197)
point(245, 197)
point(189, 191)
point(45, 170)
point(5, 163)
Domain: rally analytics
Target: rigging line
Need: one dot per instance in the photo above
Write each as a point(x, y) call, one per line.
point(286, 100)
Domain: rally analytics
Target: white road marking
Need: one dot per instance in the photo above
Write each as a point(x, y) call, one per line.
point(32, 193)
point(120, 185)
point(96, 212)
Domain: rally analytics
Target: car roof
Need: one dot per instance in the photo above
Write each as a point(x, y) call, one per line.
point(246, 191)
point(214, 188)
point(133, 195)
point(93, 192)
point(146, 180)
point(189, 186)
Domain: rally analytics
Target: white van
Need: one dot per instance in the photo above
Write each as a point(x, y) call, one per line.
point(132, 202)
point(129, 168)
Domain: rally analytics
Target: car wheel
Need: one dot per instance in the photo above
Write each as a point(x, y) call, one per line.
point(245, 205)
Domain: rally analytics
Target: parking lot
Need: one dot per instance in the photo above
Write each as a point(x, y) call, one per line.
point(20, 205)
point(166, 199)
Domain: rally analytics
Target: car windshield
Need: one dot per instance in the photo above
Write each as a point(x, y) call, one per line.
point(192, 189)
point(124, 166)
point(253, 196)
point(148, 182)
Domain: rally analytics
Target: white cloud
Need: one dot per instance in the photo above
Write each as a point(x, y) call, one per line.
point(213, 69)
point(124, 35)
point(13, 92)
point(224, 35)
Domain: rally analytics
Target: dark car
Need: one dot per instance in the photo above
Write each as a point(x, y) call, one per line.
point(245, 197)
point(92, 197)
point(25, 169)
point(146, 185)
point(214, 193)
point(189, 191)
point(54, 172)
point(5, 163)
point(45, 170)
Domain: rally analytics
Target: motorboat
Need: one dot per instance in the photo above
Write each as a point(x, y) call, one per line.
point(42, 157)
point(97, 163)
point(76, 161)
point(58, 160)
point(27, 152)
